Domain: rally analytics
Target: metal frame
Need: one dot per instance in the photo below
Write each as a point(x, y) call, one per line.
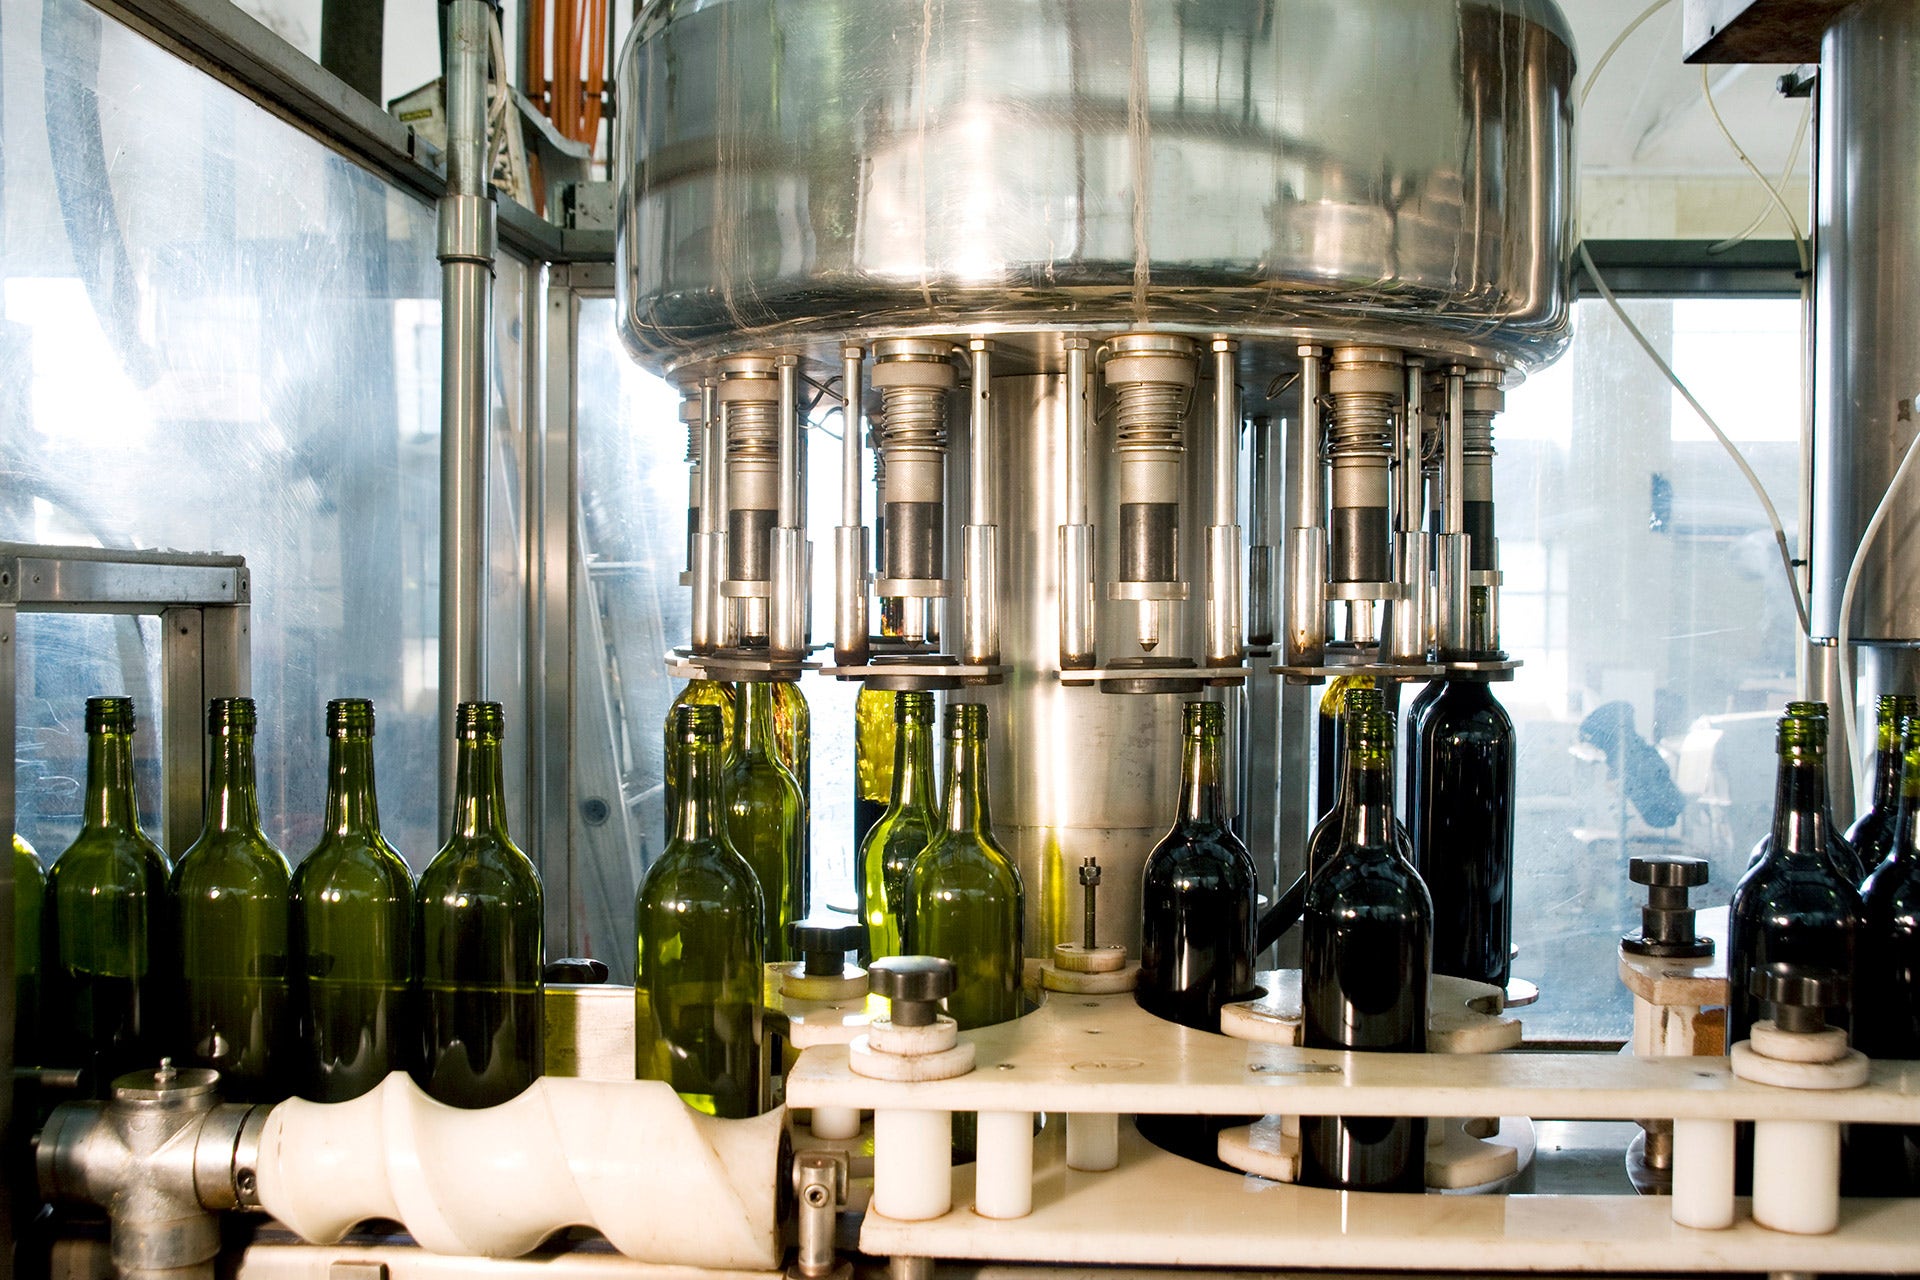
point(204, 603)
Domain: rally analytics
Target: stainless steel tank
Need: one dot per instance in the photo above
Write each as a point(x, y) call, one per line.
point(797, 173)
point(1867, 320)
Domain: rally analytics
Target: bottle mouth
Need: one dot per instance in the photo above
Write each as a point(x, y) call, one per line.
point(227, 715)
point(110, 715)
point(1204, 719)
point(967, 720)
point(1365, 699)
point(913, 706)
point(1803, 731)
point(696, 724)
point(479, 720)
point(1807, 711)
point(350, 715)
point(1370, 730)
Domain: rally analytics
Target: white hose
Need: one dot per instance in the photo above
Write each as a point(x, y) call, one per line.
point(1843, 655)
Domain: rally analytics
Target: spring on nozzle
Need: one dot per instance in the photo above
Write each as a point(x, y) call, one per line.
point(913, 418)
point(753, 430)
point(1147, 415)
point(1362, 424)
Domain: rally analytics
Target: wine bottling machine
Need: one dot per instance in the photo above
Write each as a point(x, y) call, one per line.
point(1172, 339)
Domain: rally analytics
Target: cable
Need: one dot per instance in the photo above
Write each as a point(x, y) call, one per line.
point(1793, 158)
point(1739, 459)
point(1594, 75)
point(1843, 655)
point(1773, 192)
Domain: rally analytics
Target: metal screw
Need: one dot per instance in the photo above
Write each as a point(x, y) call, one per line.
point(1090, 881)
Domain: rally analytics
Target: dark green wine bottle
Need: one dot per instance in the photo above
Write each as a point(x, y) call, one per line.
point(873, 743)
point(352, 930)
point(1871, 835)
point(694, 693)
point(1461, 817)
point(110, 948)
point(1325, 837)
point(909, 823)
point(700, 921)
point(1840, 851)
point(1890, 919)
point(1366, 964)
point(478, 917)
point(1795, 905)
point(1330, 747)
point(765, 817)
point(29, 906)
point(1197, 892)
point(231, 893)
point(967, 900)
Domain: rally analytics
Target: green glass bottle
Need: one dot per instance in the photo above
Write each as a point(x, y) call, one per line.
point(1358, 699)
point(766, 819)
point(910, 821)
point(1871, 835)
point(695, 693)
point(352, 930)
point(231, 893)
point(700, 921)
point(477, 935)
point(967, 900)
point(29, 901)
point(110, 948)
point(873, 739)
point(793, 734)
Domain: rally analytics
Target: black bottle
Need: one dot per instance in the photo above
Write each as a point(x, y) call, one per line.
point(1197, 893)
point(1871, 835)
point(1795, 904)
point(1885, 1159)
point(1846, 860)
point(1325, 837)
point(1367, 953)
point(1460, 813)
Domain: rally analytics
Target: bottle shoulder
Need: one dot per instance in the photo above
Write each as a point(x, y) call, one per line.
point(482, 864)
point(357, 866)
point(1893, 888)
point(1798, 887)
point(1368, 881)
point(100, 854)
point(1192, 848)
point(705, 871)
point(239, 858)
point(954, 856)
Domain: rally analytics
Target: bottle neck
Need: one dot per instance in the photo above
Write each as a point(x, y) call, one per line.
point(913, 780)
point(1203, 800)
point(753, 736)
point(1367, 798)
point(479, 792)
point(109, 799)
point(352, 808)
point(1800, 807)
point(967, 786)
point(1886, 777)
point(698, 820)
point(233, 802)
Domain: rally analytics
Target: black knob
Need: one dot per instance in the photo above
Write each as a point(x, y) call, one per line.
point(1800, 995)
point(915, 984)
point(823, 944)
point(1666, 921)
point(576, 970)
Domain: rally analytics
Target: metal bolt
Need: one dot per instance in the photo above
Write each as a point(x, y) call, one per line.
point(1090, 881)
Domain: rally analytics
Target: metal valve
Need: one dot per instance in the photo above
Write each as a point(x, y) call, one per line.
point(1799, 995)
point(823, 945)
point(915, 985)
point(1666, 921)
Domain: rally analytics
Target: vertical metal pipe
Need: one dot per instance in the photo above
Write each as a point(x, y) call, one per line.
point(1260, 536)
point(1306, 550)
point(850, 539)
point(1224, 554)
point(466, 250)
point(1411, 610)
point(789, 510)
point(979, 588)
point(1076, 536)
point(1456, 562)
point(725, 632)
point(787, 607)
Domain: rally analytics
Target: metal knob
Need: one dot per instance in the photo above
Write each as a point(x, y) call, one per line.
point(1666, 921)
point(1799, 994)
point(915, 984)
point(823, 944)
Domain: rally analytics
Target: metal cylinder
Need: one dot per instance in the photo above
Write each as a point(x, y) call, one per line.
point(1262, 569)
point(1225, 549)
point(850, 537)
point(1867, 319)
point(1076, 537)
point(1364, 390)
point(1150, 377)
point(914, 378)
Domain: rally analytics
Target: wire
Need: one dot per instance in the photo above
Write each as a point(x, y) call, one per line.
point(1739, 459)
point(1773, 192)
point(1843, 653)
point(1593, 76)
point(1793, 158)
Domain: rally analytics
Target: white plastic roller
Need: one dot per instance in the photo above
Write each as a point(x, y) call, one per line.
point(661, 1182)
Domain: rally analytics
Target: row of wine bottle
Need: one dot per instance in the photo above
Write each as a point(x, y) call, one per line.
point(1847, 905)
point(318, 981)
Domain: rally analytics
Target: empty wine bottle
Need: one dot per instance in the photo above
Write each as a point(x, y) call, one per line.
point(1460, 814)
point(478, 917)
point(1197, 892)
point(765, 816)
point(1366, 954)
point(967, 899)
point(1871, 835)
point(700, 921)
point(29, 903)
point(873, 742)
point(231, 892)
point(695, 693)
point(352, 930)
point(793, 737)
point(110, 952)
point(1794, 905)
point(896, 840)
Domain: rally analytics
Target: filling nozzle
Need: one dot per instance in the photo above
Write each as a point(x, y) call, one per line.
point(1483, 401)
point(1365, 388)
point(749, 398)
point(693, 416)
point(1151, 377)
point(915, 378)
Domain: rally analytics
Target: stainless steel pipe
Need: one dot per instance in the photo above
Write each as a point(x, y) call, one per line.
point(1225, 646)
point(1306, 549)
point(979, 566)
point(1077, 645)
point(850, 538)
